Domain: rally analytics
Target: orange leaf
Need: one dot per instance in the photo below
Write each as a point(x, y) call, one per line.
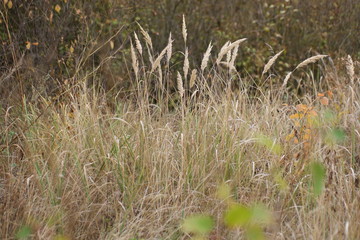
point(28, 45)
point(312, 113)
point(330, 94)
point(324, 101)
point(307, 134)
point(10, 4)
point(307, 130)
point(296, 116)
point(290, 136)
point(35, 43)
point(57, 8)
point(321, 94)
point(301, 107)
point(306, 137)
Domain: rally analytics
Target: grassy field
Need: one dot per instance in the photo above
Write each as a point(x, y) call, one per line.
point(202, 152)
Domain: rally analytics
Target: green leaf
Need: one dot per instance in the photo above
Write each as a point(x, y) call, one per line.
point(198, 224)
point(329, 117)
point(282, 183)
point(318, 174)
point(242, 216)
point(61, 237)
point(260, 215)
point(255, 233)
point(24, 232)
point(334, 136)
point(237, 216)
point(270, 144)
point(223, 192)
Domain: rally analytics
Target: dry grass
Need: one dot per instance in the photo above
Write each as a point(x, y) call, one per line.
point(84, 171)
point(350, 68)
point(271, 62)
point(206, 57)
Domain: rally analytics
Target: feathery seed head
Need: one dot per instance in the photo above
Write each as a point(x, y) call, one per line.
point(180, 85)
point(206, 57)
point(271, 62)
point(138, 43)
point(184, 30)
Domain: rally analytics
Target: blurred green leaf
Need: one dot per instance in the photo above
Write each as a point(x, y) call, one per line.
point(250, 218)
point(224, 191)
point(61, 237)
point(318, 174)
point(237, 216)
point(330, 117)
point(269, 143)
point(255, 233)
point(198, 224)
point(24, 232)
point(260, 215)
point(334, 136)
point(283, 185)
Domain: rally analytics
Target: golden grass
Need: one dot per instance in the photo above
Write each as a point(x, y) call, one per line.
point(85, 171)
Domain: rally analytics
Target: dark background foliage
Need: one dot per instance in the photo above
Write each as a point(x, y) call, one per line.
point(61, 40)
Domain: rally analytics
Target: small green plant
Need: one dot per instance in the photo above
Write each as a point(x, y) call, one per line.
point(318, 175)
point(270, 144)
point(199, 225)
point(251, 219)
point(24, 232)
